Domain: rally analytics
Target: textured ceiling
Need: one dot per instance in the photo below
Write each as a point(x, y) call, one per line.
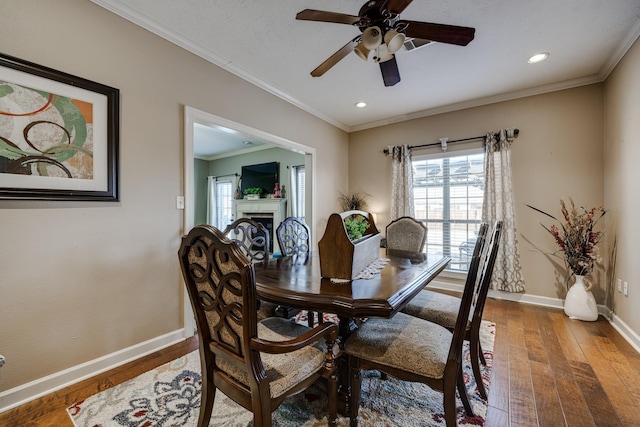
point(262, 42)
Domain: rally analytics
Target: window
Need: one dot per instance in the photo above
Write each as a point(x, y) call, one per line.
point(297, 194)
point(220, 211)
point(447, 196)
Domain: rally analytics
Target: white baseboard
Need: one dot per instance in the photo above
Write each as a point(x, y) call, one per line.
point(27, 392)
point(627, 333)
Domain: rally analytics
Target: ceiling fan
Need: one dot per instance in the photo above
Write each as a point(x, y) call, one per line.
point(384, 33)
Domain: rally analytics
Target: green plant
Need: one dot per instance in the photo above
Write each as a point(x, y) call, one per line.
point(355, 225)
point(253, 190)
point(353, 202)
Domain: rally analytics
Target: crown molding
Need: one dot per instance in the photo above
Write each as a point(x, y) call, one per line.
point(126, 12)
point(479, 102)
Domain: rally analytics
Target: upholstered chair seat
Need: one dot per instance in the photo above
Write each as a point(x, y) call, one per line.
point(435, 307)
point(283, 370)
point(403, 342)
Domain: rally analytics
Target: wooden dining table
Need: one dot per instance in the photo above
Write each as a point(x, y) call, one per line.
point(296, 282)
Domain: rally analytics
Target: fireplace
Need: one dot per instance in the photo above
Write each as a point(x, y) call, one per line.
point(267, 221)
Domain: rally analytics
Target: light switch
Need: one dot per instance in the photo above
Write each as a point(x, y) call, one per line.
point(180, 202)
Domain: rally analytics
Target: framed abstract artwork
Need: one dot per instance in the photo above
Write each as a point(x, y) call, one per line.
point(59, 135)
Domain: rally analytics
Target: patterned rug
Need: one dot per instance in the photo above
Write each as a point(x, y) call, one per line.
point(170, 396)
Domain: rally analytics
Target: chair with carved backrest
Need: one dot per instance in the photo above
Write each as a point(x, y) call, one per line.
point(252, 238)
point(406, 234)
point(442, 308)
point(294, 237)
point(255, 363)
point(254, 241)
point(416, 350)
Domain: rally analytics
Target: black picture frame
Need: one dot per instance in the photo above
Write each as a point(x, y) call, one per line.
point(79, 111)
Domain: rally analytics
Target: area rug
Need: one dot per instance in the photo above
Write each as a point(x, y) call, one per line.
point(170, 396)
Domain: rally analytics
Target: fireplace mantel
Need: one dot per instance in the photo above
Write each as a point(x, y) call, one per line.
point(276, 209)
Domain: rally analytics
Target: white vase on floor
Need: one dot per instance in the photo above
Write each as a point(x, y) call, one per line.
point(580, 303)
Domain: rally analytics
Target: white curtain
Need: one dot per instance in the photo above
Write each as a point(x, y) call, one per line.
point(498, 205)
point(401, 182)
point(211, 200)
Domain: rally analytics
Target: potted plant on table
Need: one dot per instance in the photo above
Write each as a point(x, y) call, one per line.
point(577, 241)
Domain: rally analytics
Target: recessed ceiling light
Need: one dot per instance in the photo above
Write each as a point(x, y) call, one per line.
point(538, 57)
point(360, 104)
point(247, 142)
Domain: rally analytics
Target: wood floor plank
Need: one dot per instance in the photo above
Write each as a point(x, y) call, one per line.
point(570, 346)
point(610, 379)
point(521, 398)
point(496, 417)
point(499, 388)
point(575, 409)
point(547, 402)
point(553, 348)
point(535, 347)
point(528, 317)
point(629, 376)
point(600, 406)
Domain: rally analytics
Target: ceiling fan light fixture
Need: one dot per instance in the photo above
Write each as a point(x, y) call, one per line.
point(394, 40)
point(382, 54)
point(361, 51)
point(372, 37)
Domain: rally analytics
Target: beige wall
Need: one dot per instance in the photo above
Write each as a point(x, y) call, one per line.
point(558, 154)
point(83, 280)
point(622, 174)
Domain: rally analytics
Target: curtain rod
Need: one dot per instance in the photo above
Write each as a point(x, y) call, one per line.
point(223, 176)
point(444, 141)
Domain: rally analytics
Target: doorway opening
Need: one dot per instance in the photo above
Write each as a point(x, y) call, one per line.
point(194, 117)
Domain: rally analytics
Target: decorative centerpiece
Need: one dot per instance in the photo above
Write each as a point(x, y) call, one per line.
point(578, 241)
point(350, 243)
point(252, 193)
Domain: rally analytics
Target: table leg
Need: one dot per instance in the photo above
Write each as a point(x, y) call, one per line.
point(346, 327)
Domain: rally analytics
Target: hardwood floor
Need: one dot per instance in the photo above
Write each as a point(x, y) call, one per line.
point(548, 370)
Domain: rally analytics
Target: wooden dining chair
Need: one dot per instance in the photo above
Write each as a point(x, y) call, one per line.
point(252, 237)
point(442, 309)
point(255, 363)
point(294, 237)
point(406, 234)
point(416, 350)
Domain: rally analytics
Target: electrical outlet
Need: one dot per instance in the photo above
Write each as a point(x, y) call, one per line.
point(2, 361)
point(626, 288)
point(619, 285)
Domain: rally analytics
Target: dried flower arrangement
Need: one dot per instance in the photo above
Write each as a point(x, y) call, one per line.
point(576, 237)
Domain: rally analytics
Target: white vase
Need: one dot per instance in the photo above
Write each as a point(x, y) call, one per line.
point(580, 303)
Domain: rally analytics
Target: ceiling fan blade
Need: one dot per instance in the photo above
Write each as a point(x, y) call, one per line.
point(390, 73)
point(397, 6)
point(437, 32)
point(335, 58)
point(322, 16)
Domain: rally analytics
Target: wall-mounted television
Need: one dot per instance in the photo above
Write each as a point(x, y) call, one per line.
point(263, 175)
